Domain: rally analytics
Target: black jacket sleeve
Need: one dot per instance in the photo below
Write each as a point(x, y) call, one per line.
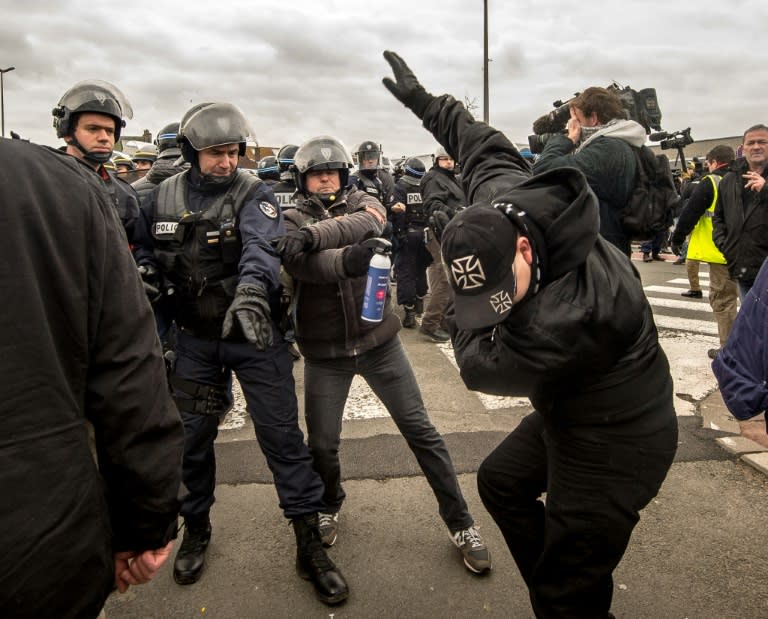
point(138, 432)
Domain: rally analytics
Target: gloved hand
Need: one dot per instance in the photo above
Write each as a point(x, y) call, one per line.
point(356, 259)
point(250, 309)
point(151, 281)
point(438, 220)
point(406, 87)
point(293, 242)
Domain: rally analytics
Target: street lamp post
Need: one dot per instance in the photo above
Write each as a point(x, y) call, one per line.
point(2, 100)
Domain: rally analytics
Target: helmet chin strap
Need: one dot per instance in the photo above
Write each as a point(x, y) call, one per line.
point(99, 158)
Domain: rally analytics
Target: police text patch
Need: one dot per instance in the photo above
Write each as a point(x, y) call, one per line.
point(166, 227)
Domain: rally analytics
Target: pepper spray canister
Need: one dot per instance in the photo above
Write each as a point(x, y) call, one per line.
point(377, 285)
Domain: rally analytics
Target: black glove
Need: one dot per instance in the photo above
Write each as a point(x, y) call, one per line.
point(151, 281)
point(251, 309)
point(293, 242)
point(406, 87)
point(438, 220)
point(356, 259)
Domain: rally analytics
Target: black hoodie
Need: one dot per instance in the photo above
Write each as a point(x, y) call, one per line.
point(585, 345)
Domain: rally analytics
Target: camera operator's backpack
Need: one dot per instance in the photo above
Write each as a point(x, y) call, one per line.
point(654, 198)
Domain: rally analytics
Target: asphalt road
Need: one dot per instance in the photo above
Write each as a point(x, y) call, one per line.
point(698, 551)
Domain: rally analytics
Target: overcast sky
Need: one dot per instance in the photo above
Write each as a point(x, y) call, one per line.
point(309, 67)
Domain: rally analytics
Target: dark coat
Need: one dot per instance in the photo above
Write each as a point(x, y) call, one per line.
point(163, 168)
point(78, 345)
point(441, 191)
point(328, 302)
point(741, 235)
point(609, 165)
point(585, 344)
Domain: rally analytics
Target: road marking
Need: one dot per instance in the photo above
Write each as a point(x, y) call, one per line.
point(694, 306)
point(671, 290)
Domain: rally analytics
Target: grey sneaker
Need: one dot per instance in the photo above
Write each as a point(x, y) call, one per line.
point(476, 555)
point(329, 527)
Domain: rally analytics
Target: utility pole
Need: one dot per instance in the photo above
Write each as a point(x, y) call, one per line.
point(485, 61)
point(2, 100)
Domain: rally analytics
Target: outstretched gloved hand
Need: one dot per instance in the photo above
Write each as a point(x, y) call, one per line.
point(293, 242)
point(406, 87)
point(250, 310)
point(356, 259)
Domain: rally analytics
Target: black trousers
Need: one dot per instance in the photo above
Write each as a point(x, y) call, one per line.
point(597, 479)
point(266, 378)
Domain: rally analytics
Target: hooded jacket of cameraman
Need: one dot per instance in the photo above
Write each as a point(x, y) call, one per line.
point(580, 342)
point(604, 154)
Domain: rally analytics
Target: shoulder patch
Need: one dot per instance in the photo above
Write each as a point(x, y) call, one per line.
point(268, 209)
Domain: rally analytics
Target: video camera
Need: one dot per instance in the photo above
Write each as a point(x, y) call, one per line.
point(641, 106)
point(672, 139)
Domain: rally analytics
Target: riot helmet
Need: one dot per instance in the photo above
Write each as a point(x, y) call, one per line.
point(439, 152)
point(285, 159)
point(413, 171)
point(267, 168)
point(94, 96)
point(123, 163)
point(213, 124)
point(148, 152)
point(371, 151)
point(321, 153)
point(166, 141)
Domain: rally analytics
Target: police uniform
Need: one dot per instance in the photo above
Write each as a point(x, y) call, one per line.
point(412, 257)
point(206, 243)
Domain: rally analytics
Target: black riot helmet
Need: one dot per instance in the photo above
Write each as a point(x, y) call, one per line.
point(97, 97)
point(285, 159)
point(368, 150)
point(267, 168)
point(213, 124)
point(321, 153)
point(413, 170)
point(94, 96)
point(166, 142)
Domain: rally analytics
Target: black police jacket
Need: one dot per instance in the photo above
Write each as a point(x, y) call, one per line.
point(206, 240)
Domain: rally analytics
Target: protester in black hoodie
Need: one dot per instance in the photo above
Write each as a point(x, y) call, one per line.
point(547, 308)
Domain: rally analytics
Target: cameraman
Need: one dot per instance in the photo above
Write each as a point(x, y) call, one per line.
point(598, 142)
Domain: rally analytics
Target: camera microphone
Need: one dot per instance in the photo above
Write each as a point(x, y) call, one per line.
point(661, 135)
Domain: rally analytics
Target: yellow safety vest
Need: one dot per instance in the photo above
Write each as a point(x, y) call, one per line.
point(701, 246)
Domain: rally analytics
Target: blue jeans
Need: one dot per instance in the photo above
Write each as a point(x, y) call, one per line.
point(388, 372)
point(266, 378)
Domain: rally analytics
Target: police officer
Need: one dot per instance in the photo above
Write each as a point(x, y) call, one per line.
point(144, 158)
point(409, 219)
point(370, 176)
point(208, 231)
point(168, 152)
point(89, 117)
point(285, 189)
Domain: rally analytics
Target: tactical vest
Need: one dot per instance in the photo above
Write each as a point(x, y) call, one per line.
point(200, 252)
point(416, 214)
point(701, 246)
point(372, 186)
point(284, 194)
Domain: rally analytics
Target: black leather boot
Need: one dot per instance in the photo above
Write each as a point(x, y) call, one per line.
point(191, 556)
point(312, 562)
point(409, 322)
